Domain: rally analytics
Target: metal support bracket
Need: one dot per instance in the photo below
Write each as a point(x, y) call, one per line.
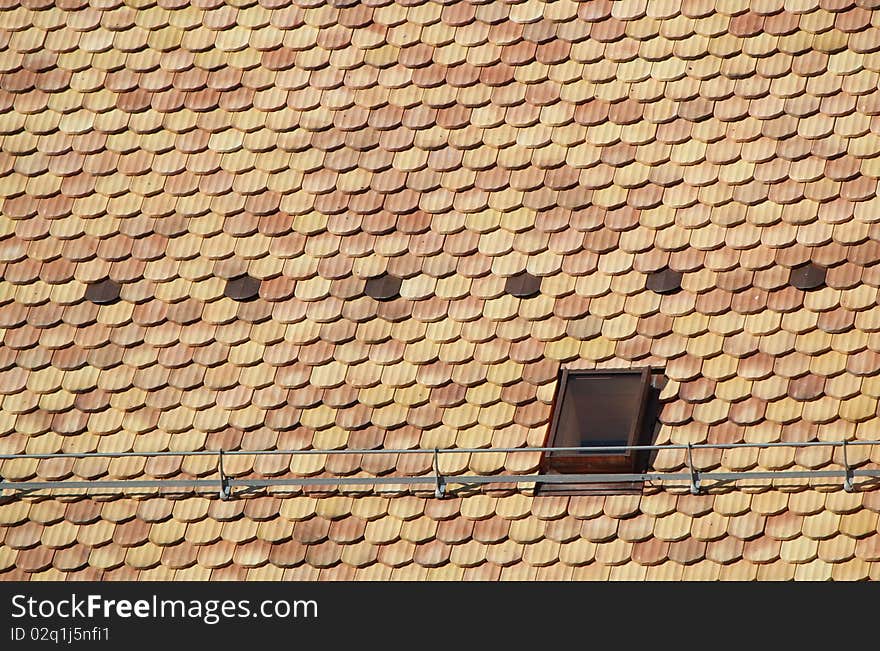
point(225, 486)
point(848, 477)
point(440, 485)
point(695, 476)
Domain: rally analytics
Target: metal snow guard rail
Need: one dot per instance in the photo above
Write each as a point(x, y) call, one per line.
point(439, 481)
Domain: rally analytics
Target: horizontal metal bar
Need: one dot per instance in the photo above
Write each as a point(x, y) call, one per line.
point(581, 449)
point(109, 483)
point(430, 480)
point(334, 481)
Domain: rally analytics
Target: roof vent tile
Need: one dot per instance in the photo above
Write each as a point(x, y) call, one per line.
point(383, 288)
point(807, 276)
point(242, 288)
point(523, 285)
point(664, 281)
point(103, 292)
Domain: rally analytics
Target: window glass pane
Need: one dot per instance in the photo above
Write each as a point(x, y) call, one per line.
point(599, 410)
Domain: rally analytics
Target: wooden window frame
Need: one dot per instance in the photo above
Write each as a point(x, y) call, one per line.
point(597, 463)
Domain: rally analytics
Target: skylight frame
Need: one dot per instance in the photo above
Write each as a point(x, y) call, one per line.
point(587, 462)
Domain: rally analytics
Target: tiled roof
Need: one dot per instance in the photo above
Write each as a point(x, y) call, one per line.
point(770, 535)
point(182, 149)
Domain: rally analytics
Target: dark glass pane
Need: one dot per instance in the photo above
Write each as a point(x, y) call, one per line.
point(599, 410)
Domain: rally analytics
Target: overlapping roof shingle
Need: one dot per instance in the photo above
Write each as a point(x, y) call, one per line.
point(173, 147)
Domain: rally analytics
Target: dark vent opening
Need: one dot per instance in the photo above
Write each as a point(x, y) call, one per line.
point(807, 277)
point(242, 288)
point(523, 285)
point(383, 288)
point(103, 292)
point(664, 281)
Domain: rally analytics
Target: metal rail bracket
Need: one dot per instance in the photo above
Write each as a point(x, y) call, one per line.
point(695, 475)
point(848, 474)
point(440, 481)
point(225, 484)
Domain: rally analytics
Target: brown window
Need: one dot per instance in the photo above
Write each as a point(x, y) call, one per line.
point(599, 408)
